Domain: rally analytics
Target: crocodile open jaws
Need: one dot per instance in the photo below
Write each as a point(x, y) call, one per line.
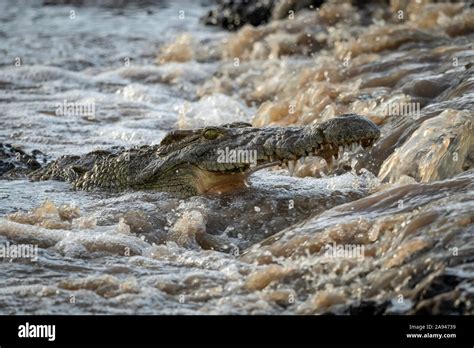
point(213, 159)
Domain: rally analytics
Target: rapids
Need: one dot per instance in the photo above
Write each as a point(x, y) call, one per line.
point(389, 230)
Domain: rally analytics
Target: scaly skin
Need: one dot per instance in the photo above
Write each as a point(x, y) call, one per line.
point(187, 162)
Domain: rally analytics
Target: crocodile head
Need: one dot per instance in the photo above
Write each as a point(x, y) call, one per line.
point(219, 159)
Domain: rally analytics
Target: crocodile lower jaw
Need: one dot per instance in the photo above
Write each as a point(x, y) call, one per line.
point(208, 182)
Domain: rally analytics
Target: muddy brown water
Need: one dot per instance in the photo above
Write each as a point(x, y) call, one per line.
point(388, 231)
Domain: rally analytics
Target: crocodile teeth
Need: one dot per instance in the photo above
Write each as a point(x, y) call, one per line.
point(291, 167)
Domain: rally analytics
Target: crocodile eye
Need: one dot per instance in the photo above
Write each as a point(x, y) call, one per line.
point(211, 134)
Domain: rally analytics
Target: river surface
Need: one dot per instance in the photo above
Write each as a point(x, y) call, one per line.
point(389, 230)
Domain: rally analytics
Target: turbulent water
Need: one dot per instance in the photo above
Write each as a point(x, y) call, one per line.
point(389, 230)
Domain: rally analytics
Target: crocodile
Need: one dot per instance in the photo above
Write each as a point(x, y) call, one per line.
point(189, 162)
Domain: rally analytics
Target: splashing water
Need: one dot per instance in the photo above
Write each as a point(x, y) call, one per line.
point(392, 232)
